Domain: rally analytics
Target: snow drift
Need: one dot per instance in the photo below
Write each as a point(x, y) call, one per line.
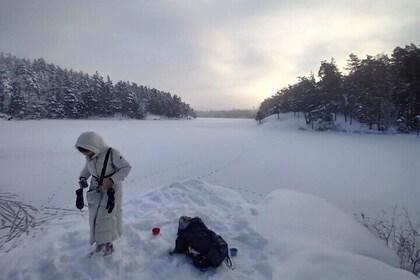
point(290, 235)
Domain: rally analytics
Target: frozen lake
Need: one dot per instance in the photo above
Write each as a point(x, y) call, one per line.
point(356, 172)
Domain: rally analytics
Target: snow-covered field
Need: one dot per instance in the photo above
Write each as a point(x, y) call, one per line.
point(284, 197)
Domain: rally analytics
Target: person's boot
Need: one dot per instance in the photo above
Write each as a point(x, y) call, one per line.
point(99, 247)
point(109, 249)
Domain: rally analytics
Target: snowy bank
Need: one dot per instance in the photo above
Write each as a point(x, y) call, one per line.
point(292, 121)
point(289, 235)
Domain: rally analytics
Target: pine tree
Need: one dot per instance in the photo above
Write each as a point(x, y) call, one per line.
point(110, 107)
point(17, 102)
point(314, 103)
point(98, 90)
point(69, 98)
point(154, 103)
point(55, 108)
point(5, 90)
point(330, 87)
point(54, 95)
point(375, 100)
point(28, 87)
point(406, 87)
point(89, 98)
point(351, 88)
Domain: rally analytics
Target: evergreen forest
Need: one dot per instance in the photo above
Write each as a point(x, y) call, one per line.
point(378, 91)
point(39, 90)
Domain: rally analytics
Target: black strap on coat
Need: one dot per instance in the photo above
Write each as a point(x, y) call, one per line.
point(101, 179)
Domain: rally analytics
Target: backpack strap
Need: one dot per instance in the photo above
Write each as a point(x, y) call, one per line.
point(101, 179)
point(228, 261)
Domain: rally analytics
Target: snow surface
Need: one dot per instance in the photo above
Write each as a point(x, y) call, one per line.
point(276, 239)
point(283, 196)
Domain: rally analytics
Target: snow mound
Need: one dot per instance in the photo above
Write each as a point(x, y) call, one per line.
point(289, 236)
point(286, 121)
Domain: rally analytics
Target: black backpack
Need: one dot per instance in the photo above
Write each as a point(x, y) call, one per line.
point(205, 247)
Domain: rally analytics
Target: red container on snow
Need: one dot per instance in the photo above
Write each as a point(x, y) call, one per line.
point(155, 230)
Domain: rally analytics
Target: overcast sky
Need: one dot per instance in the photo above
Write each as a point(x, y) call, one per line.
point(219, 54)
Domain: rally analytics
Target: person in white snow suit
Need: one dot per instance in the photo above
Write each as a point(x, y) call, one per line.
point(105, 221)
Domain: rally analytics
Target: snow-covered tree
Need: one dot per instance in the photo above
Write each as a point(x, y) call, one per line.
point(377, 91)
point(17, 102)
point(110, 106)
point(375, 104)
point(40, 90)
point(406, 87)
point(330, 87)
point(69, 98)
point(5, 90)
point(26, 83)
point(54, 95)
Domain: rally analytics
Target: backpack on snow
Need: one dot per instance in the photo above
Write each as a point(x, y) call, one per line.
point(204, 246)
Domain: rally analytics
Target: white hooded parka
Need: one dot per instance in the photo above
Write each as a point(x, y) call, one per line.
point(104, 227)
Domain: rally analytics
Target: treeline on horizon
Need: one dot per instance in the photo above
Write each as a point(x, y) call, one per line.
point(378, 91)
point(229, 114)
point(38, 90)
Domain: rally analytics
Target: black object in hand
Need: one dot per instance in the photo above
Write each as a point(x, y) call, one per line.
point(79, 199)
point(111, 200)
point(83, 184)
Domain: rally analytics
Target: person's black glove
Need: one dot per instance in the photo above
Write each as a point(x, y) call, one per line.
point(79, 199)
point(83, 183)
point(111, 200)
